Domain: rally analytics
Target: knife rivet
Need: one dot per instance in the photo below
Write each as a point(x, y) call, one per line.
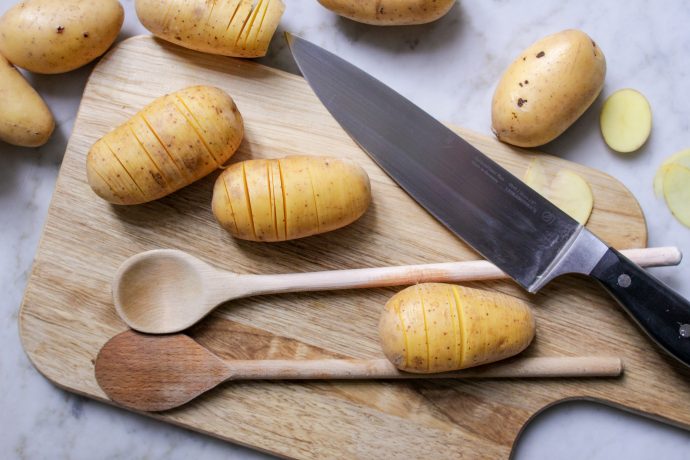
point(624, 281)
point(684, 330)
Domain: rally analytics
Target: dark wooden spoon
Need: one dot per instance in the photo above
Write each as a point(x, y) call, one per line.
point(156, 373)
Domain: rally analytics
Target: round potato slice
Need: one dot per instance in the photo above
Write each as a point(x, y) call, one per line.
point(677, 192)
point(626, 120)
point(682, 158)
point(567, 190)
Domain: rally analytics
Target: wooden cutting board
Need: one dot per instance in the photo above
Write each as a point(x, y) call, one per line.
point(67, 314)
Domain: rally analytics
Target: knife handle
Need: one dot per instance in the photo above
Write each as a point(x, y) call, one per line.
point(661, 312)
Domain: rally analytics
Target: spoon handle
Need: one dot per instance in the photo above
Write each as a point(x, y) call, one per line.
point(352, 369)
point(411, 274)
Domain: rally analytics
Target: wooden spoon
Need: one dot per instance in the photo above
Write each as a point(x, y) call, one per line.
point(166, 290)
point(155, 373)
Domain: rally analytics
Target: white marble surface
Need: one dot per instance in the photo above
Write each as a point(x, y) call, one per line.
point(449, 68)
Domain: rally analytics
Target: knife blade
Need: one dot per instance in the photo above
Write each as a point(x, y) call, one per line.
point(502, 218)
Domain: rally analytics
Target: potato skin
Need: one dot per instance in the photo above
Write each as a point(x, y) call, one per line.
point(56, 36)
point(240, 28)
point(288, 198)
point(547, 88)
point(390, 12)
point(25, 119)
point(177, 139)
point(436, 327)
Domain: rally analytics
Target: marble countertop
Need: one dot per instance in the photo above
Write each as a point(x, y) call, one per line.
point(448, 68)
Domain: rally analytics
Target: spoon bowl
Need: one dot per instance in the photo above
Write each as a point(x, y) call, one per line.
point(161, 291)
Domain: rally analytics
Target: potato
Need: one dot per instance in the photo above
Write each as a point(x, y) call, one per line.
point(567, 190)
point(390, 12)
point(288, 198)
point(547, 88)
point(626, 120)
point(677, 192)
point(435, 327)
point(682, 158)
point(174, 141)
point(241, 28)
point(673, 181)
point(25, 120)
point(56, 36)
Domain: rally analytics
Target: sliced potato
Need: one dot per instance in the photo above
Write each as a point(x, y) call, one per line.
point(568, 190)
point(682, 158)
point(626, 120)
point(677, 192)
point(240, 28)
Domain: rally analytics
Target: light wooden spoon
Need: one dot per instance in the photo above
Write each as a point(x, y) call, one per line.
point(156, 373)
point(166, 290)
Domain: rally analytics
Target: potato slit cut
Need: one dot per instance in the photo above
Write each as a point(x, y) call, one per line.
point(271, 198)
point(244, 24)
point(275, 202)
point(210, 13)
point(232, 210)
point(196, 131)
point(313, 194)
point(452, 308)
point(258, 28)
point(252, 19)
point(426, 327)
point(124, 168)
point(234, 13)
point(461, 349)
point(249, 201)
point(404, 333)
point(160, 171)
point(282, 189)
point(105, 181)
point(160, 141)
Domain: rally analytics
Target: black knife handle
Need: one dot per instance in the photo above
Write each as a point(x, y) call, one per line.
point(661, 312)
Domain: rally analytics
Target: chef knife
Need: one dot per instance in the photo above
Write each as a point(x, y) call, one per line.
point(493, 211)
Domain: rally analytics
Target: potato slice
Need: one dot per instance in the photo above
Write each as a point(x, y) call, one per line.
point(677, 192)
point(626, 120)
point(568, 190)
point(682, 158)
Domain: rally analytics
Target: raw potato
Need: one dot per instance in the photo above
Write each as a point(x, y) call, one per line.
point(435, 327)
point(288, 198)
point(390, 12)
point(56, 36)
point(547, 88)
point(25, 120)
point(682, 158)
point(240, 28)
point(677, 192)
point(177, 139)
point(626, 120)
point(568, 190)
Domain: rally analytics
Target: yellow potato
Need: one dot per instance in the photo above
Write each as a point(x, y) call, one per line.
point(56, 36)
point(177, 139)
point(435, 327)
point(390, 12)
point(682, 158)
point(289, 198)
point(241, 28)
point(25, 120)
point(677, 192)
point(547, 88)
point(626, 120)
point(567, 190)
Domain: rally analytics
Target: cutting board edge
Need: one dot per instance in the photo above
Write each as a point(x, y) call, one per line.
point(516, 440)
